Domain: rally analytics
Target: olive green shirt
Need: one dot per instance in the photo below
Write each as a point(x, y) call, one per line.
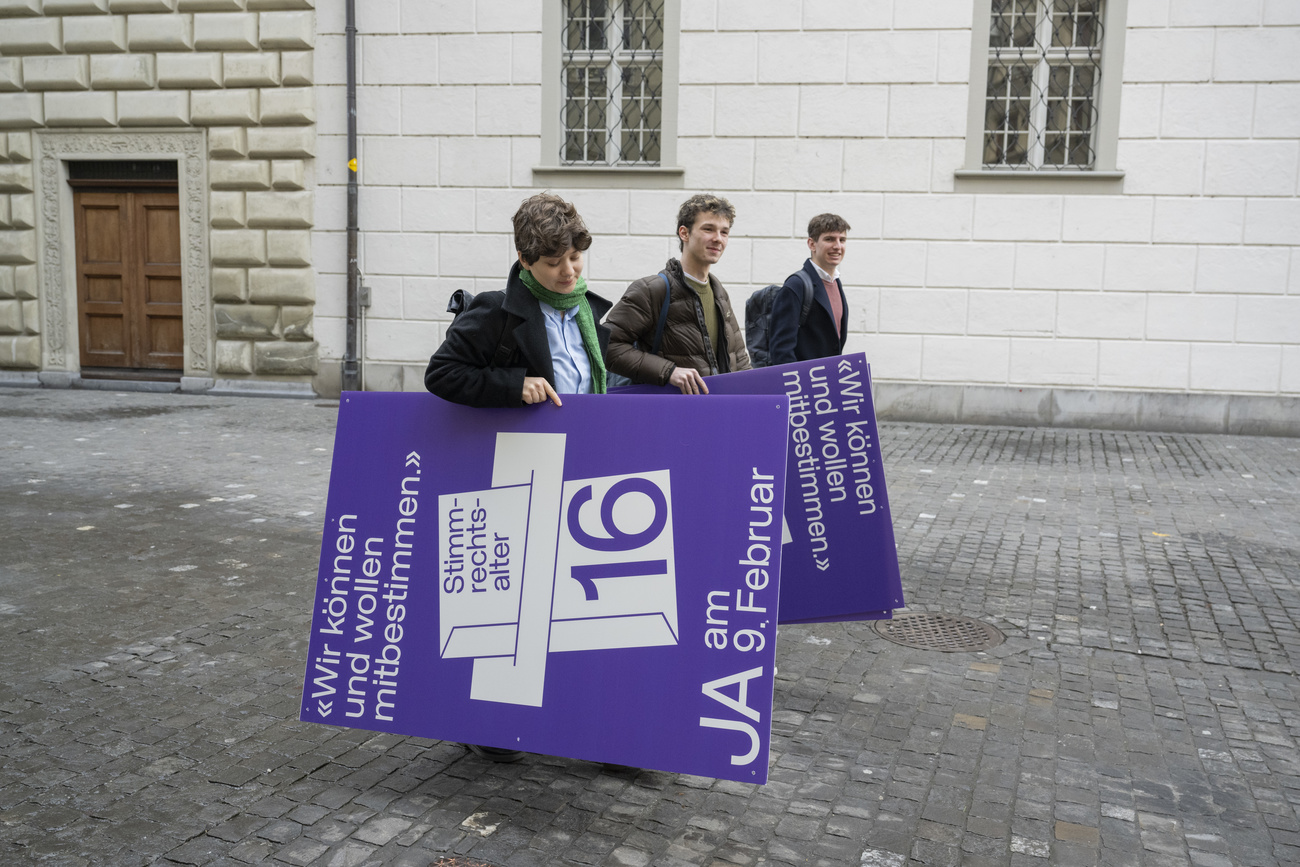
point(705, 291)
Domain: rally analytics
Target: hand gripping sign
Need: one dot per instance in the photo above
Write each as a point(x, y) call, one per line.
point(597, 581)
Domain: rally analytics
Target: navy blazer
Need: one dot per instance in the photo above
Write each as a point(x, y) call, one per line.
point(461, 369)
point(786, 340)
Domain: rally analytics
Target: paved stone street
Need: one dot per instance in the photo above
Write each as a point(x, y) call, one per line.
point(159, 556)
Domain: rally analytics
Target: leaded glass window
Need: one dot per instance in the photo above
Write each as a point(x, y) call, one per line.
point(1044, 72)
point(611, 111)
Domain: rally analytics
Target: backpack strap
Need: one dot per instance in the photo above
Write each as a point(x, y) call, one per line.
point(506, 346)
point(459, 302)
point(663, 315)
point(807, 297)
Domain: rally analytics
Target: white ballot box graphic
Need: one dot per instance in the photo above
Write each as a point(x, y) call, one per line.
point(480, 570)
point(537, 565)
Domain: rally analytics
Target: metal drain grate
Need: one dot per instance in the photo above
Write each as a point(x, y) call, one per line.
point(944, 632)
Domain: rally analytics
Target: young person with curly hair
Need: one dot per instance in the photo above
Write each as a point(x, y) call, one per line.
point(532, 342)
point(539, 338)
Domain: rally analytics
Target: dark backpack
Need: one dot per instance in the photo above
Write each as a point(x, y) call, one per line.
point(459, 302)
point(758, 317)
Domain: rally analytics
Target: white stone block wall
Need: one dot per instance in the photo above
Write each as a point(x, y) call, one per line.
point(242, 70)
point(1187, 280)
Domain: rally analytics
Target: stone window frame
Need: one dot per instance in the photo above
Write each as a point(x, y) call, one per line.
point(56, 260)
point(1104, 176)
point(551, 172)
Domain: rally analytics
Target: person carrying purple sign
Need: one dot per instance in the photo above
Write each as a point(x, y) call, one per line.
point(536, 340)
point(677, 326)
point(802, 327)
point(539, 338)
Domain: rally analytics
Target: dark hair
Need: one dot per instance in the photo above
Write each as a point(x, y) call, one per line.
point(823, 223)
point(702, 203)
point(546, 225)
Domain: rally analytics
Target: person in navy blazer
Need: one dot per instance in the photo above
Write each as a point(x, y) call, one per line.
point(827, 327)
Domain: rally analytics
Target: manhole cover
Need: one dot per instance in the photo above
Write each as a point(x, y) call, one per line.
point(945, 632)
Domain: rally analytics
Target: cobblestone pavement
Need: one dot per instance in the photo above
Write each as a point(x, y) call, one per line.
point(159, 554)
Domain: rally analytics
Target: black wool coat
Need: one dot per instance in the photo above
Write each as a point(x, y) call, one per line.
point(462, 368)
point(786, 340)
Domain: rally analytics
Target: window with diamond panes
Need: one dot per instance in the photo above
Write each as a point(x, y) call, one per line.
point(1044, 70)
point(613, 82)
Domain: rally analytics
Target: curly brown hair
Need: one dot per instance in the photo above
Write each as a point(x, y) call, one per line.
point(823, 223)
point(702, 203)
point(546, 225)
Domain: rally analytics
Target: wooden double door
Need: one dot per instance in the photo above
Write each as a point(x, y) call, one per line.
point(129, 298)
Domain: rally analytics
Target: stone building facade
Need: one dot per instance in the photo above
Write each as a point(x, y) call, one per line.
point(1080, 212)
point(222, 89)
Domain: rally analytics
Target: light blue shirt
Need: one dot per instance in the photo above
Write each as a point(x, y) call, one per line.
point(569, 357)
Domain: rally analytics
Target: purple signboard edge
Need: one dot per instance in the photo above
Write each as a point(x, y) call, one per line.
point(845, 618)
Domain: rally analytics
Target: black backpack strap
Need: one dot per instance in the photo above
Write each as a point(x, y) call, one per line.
point(663, 315)
point(505, 347)
point(807, 297)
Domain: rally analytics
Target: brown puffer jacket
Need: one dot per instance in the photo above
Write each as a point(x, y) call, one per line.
point(685, 342)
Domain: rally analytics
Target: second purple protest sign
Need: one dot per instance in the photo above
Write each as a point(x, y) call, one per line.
point(839, 561)
point(587, 581)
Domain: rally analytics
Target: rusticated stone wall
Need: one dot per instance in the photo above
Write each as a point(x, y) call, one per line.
point(240, 70)
point(20, 345)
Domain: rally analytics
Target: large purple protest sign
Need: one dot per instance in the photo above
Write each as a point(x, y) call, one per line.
point(588, 581)
point(839, 561)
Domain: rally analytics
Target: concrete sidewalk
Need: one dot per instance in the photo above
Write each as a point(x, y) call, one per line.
point(159, 556)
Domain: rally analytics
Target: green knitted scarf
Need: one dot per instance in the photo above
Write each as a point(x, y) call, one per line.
point(586, 322)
